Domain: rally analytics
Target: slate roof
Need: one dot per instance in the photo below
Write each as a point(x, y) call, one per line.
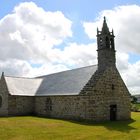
point(22, 86)
point(68, 82)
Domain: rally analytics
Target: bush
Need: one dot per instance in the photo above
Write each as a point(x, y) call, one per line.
point(135, 107)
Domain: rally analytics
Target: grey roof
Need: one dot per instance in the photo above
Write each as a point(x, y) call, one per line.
point(68, 82)
point(22, 86)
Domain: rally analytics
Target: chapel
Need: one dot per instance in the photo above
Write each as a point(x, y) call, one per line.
point(95, 92)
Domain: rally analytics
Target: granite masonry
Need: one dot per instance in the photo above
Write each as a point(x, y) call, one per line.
point(94, 92)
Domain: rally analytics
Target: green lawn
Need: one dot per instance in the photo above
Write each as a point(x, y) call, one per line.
point(34, 128)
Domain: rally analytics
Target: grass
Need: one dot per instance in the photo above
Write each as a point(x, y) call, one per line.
point(35, 128)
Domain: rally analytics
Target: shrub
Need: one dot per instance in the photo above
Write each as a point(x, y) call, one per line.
point(135, 107)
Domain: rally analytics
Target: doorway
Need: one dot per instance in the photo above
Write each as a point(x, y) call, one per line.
point(113, 112)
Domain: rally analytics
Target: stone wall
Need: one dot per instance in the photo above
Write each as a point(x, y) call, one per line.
point(106, 58)
point(20, 105)
point(111, 90)
point(14, 105)
point(4, 98)
point(69, 107)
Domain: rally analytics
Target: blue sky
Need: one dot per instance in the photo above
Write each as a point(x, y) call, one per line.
point(83, 9)
point(45, 36)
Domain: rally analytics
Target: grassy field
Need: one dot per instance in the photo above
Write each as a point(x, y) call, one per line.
point(34, 128)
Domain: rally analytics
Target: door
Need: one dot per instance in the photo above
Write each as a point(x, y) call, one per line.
point(113, 112)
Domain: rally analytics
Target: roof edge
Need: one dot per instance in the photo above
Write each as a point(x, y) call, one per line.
point(66, 71)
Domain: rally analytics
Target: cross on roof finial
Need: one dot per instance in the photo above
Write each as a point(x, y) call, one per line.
point(105, 27)
point(2, 73)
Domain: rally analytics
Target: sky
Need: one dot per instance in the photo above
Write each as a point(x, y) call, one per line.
point(40, 37)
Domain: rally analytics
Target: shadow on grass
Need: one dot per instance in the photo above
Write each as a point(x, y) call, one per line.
point(123, 126)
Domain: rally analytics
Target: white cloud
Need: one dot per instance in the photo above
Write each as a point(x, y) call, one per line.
point(122, 60)
point(46, 68)
point(30, 32)
point(15, 67)
point(79, 55)
point(132, 77)
point(29, 35)
point(23, 68)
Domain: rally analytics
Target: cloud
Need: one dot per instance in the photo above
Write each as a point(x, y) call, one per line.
point(15, 67)
point(28, 40)
point(78, 55)
point(30, 32)
point(45, 68)
point(131, 76)
point(72, 56)
point(28, 37)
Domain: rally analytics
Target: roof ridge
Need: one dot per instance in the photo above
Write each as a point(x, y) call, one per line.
point(66, 71)
point(19, 77)
point(49, 74)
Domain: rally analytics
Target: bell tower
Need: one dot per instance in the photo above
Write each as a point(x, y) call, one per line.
point(105, 47)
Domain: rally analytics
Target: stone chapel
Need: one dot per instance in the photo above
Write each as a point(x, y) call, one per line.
point(95, 92)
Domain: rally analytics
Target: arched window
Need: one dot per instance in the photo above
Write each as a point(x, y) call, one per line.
point(48, 104)
point(100, 42)
point(112, 43)
point(113, 87)
point(0, 101)
point(107, 42)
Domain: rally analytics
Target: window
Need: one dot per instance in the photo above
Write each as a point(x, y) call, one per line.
point(48, 104)
point(0, 101)
point(107, 42)
point(112, 43)
point(113, 87)
point(101, 40)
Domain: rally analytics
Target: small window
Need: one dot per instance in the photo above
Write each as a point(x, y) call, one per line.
point(112, 43)
point(101, 40)
point(48, 104)
point(107, 42)
point(113, 87)
point(0, 101)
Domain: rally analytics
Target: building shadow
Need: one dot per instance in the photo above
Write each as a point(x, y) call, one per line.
point(122, 126)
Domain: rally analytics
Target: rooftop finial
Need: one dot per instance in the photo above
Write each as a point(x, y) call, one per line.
point(2, 73)
point(105, 29)
point(112, 32)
